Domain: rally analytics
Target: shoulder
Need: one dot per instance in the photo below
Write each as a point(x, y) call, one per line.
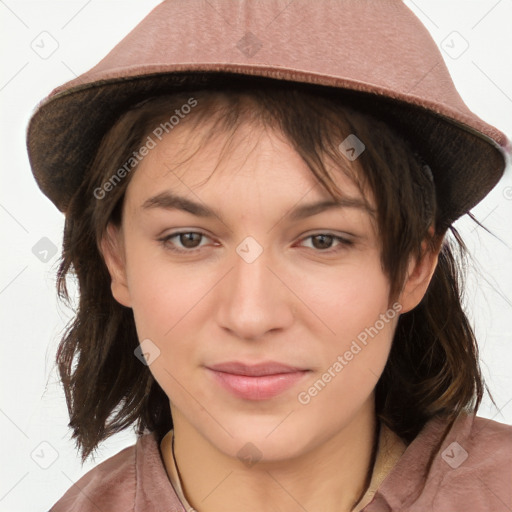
point(489, 442)
point(477, 444)
point(112, 481)
point(466, 465)
point(475, 465)
point(117, 484)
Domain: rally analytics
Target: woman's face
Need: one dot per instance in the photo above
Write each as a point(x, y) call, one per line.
point(261, 277)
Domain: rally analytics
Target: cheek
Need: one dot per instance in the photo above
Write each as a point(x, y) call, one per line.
point(171, 311)
point(357, 324)
point(166, 302)
point(345, 301)
point(161, 293)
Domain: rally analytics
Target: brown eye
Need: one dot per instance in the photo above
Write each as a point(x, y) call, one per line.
point(190, 240)
point(184, 242)
point(327, 242)
point(322, 241)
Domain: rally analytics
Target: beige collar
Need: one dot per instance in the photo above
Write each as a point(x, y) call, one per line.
point(390, 449)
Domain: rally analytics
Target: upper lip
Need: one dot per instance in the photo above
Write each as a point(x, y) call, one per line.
point(255, 370)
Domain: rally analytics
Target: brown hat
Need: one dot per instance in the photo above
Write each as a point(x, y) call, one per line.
point(376, 52)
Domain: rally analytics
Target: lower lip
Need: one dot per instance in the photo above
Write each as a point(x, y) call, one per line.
point(257, 388)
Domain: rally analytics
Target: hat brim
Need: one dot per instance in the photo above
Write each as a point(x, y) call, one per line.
point(65, 131)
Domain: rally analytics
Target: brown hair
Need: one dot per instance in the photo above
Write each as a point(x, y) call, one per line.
point(433, 365)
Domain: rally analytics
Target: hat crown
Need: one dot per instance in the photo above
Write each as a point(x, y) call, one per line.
point(370, 44)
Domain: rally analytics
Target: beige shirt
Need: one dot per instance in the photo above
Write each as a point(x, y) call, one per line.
point(389, 450)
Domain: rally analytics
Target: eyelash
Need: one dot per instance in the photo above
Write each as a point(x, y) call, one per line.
point(343, 242)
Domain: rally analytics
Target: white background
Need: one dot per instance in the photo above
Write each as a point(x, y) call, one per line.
point(32, 405)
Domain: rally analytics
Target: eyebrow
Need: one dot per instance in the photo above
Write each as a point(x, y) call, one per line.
point(170, 201)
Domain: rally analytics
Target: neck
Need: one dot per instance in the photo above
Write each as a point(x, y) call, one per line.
point(332, 476)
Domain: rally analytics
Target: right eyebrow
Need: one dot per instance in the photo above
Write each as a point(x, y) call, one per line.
point(170, 201)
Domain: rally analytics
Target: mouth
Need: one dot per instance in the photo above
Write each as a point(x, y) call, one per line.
point(261, 381)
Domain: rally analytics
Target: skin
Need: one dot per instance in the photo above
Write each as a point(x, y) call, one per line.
point(296, 303)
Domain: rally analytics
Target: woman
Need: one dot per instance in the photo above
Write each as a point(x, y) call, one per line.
point(258, 224)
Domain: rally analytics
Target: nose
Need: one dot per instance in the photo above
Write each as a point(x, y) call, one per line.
point(254, 299)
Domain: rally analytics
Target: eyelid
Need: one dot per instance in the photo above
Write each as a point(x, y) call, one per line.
point(344, 241)
point(165, 239)
point(330, 232)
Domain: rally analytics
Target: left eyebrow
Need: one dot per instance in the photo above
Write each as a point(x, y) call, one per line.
point(308, 210)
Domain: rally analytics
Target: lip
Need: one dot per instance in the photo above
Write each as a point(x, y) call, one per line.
point(255, 370)
point(260, 381)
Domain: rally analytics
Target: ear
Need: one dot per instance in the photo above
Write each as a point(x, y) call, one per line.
point(112, 249)
point(419, 275)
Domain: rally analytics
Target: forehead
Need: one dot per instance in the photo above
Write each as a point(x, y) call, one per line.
point(217, 162)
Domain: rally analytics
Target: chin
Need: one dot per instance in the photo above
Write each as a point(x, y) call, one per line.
point(266, 438)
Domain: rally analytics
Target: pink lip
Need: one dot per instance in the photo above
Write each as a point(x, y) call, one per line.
point(256, 382)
